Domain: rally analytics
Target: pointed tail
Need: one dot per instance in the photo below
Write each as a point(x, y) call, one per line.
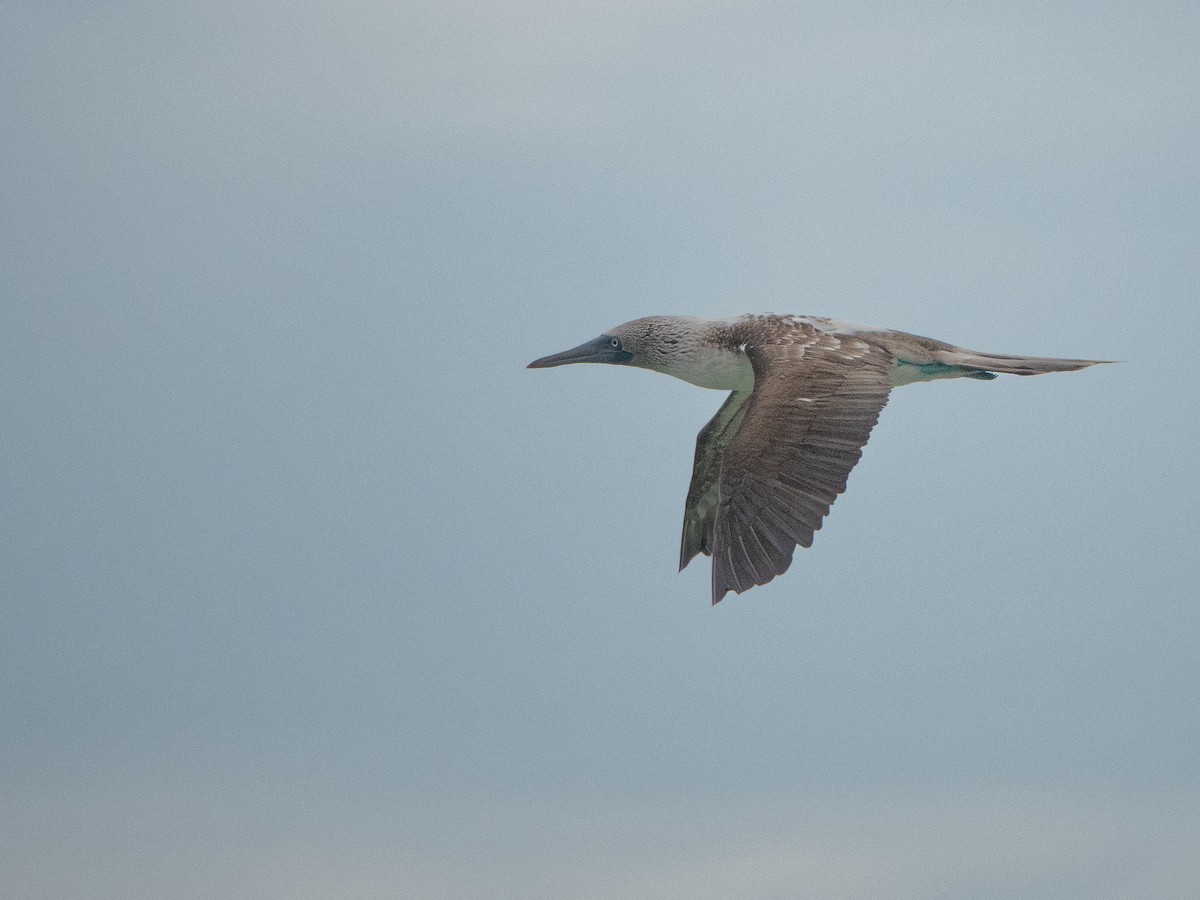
point(1014, 365)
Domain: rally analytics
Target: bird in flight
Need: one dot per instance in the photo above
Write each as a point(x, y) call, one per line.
point(805, 392)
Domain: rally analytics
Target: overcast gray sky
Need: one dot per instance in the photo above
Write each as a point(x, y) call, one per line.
point(309, 589)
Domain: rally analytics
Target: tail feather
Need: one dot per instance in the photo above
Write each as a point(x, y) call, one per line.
point(1014, 365)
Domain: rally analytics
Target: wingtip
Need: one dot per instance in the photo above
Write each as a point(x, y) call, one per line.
point(719, 589)
point(687, 554)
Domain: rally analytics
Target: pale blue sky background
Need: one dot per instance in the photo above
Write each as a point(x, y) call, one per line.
point(309, 589)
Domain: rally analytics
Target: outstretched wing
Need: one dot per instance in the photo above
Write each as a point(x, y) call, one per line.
point(701, 508)
point(816, 398)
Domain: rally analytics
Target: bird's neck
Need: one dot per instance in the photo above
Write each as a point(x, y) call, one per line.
point(709, 366)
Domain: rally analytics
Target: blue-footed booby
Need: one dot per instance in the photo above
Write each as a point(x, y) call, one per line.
point(805, 392)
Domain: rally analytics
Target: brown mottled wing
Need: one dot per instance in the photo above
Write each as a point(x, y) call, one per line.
point(816, 398)
point(701, 507)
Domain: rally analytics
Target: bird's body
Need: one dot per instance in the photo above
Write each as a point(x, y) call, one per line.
point(805, 393)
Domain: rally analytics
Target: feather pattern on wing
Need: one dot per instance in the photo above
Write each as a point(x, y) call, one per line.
point(701, 507)
point(815, 400)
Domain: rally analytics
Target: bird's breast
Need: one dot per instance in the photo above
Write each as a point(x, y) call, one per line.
point(722, 370)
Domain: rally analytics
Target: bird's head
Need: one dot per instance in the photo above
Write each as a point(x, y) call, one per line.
point(648, 343)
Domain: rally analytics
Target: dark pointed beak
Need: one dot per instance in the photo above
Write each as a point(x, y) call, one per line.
point(601, 350)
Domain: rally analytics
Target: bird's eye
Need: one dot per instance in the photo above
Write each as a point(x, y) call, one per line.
point(615, 342)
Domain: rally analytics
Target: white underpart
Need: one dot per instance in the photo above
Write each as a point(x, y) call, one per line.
point(708, 367)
